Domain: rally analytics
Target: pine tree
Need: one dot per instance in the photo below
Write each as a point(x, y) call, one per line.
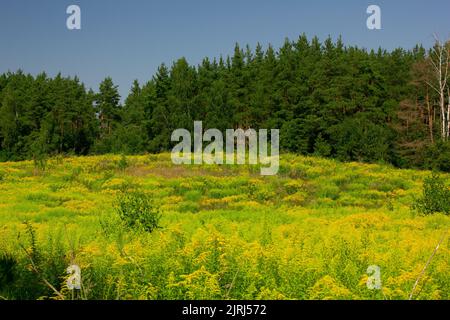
point(108, 107)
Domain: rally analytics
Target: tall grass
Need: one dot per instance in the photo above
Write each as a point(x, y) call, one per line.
point(226, 232)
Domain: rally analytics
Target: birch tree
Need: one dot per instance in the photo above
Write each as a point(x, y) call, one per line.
point(439, 59)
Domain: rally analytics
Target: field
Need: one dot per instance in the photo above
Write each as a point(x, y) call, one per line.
point(225, 232)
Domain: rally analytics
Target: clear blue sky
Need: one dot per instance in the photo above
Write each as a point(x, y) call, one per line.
point(128, 39)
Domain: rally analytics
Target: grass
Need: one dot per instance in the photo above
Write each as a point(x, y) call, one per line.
point(226, 232)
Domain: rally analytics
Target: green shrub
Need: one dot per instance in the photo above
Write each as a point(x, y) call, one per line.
point(435, 198)
point(122, 164)
point(41, 261)
point(137, 211)
point(7, 270)
point(321, 147)
point(437, 156)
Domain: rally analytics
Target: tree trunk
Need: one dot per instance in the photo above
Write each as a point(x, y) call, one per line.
point(448, 116)
point(443, 116)
point(430, 117)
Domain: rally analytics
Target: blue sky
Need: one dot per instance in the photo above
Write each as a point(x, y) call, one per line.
point(127, 40)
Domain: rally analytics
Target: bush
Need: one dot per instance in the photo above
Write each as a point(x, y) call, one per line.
point(122, 164)
point(22, 278)
point(40, 162)
point(7, 270)
point(437, 156)
point(435, 198)
point(321, 147)
point(137, 211)
point(360, 139)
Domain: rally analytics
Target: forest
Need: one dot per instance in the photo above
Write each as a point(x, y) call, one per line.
point(327, 99)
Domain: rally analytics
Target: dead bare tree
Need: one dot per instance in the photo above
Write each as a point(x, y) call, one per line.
point(439, 59)
point(448, 109)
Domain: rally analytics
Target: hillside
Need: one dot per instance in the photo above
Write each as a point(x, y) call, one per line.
point(327, 99)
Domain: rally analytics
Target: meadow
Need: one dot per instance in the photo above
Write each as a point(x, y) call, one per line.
point(225, 232)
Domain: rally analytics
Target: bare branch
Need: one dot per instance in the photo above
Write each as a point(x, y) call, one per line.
point(36, 270)
point(422, 273)
point(433, 87)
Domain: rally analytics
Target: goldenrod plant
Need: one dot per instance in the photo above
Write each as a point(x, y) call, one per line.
point(225, 231)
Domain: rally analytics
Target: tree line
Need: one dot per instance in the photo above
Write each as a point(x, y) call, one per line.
point(326, 98)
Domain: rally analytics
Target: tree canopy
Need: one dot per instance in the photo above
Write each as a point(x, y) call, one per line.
point(326, 98)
